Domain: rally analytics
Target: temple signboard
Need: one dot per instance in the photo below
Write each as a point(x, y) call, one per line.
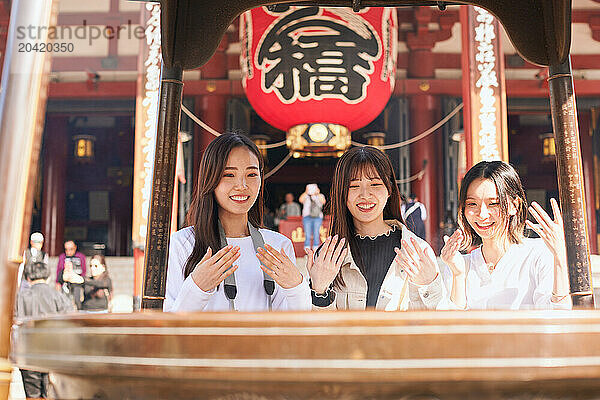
point(145, 124)
point(484, 90)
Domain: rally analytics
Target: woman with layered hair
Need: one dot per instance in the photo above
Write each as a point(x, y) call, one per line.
point(363, 261)
point(224, 259)
point(97, 289)
point(506, 270)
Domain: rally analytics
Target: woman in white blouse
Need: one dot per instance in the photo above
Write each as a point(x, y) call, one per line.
point(506, 270)
point(224, 259)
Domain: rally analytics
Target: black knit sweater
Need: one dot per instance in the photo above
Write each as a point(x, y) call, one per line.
point(377, 255)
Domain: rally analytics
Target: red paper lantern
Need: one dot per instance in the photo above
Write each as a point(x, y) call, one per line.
point(306, 65)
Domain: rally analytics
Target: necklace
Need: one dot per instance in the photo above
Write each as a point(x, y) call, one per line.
point(387, 233)
point(490, 266)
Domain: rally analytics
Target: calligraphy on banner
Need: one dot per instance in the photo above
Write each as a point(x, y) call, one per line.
point(146, 118)
point(485, 95)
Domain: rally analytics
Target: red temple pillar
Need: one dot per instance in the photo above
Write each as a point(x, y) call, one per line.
point(587, 161)
point(211, 108)
point(54, 181)
point(424, 113)
point(5, 7)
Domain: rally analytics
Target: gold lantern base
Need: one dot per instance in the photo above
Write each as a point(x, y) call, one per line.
point(318, 140)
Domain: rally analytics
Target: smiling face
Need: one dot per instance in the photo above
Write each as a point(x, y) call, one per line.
point(240, 182)
point(367, 197)
point(483, 210)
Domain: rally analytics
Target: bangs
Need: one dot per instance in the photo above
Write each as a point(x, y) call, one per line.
point(364, 168)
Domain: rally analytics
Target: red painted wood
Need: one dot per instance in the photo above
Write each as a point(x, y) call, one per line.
point(198, 132)
point(466, 90)
point(406, 15)
point(587, 162)
point(5, 7)
point(138, 272)
point(424, 113)
point(211, 110)
point(80, 90)
point(404, 87)
point(125, 18)
point(216, 68)
point(61, 64)
point(583, 16)
point(54, 178)
point(211, 106)
point(213, 114)
point(453, 61)
point(213, 86)
point(294, 230)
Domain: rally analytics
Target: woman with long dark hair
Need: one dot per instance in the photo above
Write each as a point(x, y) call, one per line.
point(224, 259)
point(506, 270)
point(97, 289)
point(360, 263)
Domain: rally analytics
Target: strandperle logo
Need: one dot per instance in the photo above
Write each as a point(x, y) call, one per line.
point(84, 31)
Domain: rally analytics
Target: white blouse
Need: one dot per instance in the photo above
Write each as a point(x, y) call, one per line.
point(522, 279)
point(184, 295)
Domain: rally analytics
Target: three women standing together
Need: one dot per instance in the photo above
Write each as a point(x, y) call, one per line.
point(224, 260)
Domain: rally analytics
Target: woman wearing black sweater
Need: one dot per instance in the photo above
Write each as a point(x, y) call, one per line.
point(98, 288)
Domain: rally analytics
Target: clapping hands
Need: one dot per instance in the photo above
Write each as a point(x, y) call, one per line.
point(213, 269)
point(324, 268)
point(551, 231)
point(279, 267)
point(420, 268)
point(450, 254)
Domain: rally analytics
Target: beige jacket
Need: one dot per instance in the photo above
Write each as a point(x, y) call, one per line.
point(396, 293)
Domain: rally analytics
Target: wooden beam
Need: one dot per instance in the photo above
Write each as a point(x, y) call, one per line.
point(404, 87)
point(98, 18)
point(97, 64)
point(213, 86)
point(452, 61)
point(83, 90)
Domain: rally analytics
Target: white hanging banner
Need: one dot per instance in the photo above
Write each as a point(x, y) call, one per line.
point(146, 118)
point(484, 89)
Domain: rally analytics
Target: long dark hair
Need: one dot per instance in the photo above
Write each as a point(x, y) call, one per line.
point(99, 293)
point(204, 210)
point(373, 162)
point(509, 187)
